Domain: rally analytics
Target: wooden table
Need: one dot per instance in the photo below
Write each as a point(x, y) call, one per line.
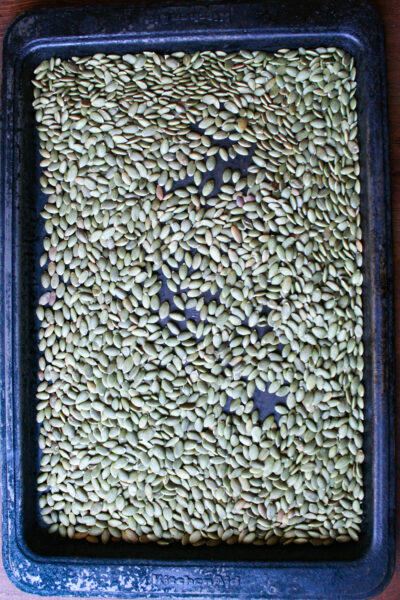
point(390, 13)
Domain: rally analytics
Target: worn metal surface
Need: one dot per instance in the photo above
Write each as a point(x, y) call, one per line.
point(46, 565)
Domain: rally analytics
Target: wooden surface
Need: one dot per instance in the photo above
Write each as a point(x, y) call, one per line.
point(390, 13)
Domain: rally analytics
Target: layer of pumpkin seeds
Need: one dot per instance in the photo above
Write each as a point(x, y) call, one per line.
point(172, 294)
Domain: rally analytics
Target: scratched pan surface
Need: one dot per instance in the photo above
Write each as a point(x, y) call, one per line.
point(44, 564)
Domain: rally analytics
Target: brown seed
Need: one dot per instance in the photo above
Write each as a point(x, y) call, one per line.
point(105, 536)
point(129, 536)
point(159, 192)
point(233, 257)
point(283, 517)
point(239, 201)
point(79, 535)
point(240, 504)
point(52, 298)
point(236, 234)
point(280, 516)
point(44, 298)
point(242, 123)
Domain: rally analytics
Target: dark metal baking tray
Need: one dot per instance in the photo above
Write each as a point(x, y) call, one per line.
point(43, 564)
